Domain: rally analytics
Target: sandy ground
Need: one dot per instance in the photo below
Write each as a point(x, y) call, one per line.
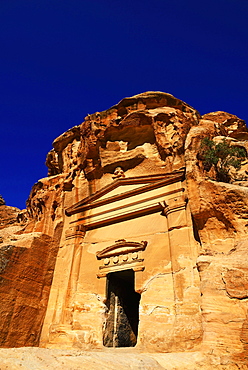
point(110, 359)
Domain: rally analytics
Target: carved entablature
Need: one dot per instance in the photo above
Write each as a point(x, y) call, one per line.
point(73, 232)
point(121, 256)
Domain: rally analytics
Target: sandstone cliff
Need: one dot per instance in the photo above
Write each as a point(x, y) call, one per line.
point(151, 133)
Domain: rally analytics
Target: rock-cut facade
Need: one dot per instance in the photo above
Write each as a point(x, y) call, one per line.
point(129, 241)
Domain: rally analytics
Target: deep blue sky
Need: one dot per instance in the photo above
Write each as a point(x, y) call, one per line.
point(63, 59)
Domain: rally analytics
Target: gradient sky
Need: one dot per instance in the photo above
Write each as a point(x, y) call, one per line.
point(63, 59)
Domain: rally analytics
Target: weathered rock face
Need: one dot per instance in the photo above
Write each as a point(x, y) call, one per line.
point(26, 270)
point(9, 216)
point(27, 262)
point(131, 211)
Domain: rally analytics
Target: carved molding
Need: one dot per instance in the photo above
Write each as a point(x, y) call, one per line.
point(148, 182)
point(174, 205)
point(106, 272)
point(124, 217)
point(77, 231)
point(121, 247)
point(121, 256)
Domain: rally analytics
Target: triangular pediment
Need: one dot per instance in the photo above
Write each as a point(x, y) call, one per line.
point(122, 188)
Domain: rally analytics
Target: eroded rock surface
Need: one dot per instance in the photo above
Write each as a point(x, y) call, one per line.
point(10, 216)
point(42, 359)
point(195, 287)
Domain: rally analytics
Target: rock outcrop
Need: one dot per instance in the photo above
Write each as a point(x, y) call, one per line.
point(194, 288)
point(9, 216)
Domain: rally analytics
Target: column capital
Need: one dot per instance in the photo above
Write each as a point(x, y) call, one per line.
point(73, 232)
point(174, 204)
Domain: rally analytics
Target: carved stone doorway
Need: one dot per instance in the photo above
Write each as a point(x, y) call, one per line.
point(122, 318)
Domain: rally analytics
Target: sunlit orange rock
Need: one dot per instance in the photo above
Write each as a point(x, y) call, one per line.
point(129, 241)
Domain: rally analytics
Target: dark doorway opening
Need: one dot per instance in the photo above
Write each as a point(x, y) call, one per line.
point(122, 318)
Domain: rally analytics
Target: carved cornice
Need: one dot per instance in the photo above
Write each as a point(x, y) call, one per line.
point(124, 217)
point(121, 247)
point(139, 202)
point(121, 256)
point(150, 183)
